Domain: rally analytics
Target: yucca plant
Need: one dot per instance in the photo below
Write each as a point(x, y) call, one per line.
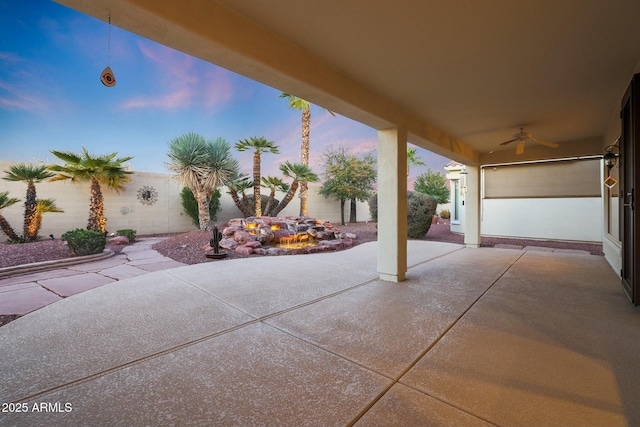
point(202, 166)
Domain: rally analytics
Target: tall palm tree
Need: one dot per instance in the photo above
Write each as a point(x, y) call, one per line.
point(274, 184)
point(30, 174)
point(202, 166)
point(44, 206)
point(5, 202)
point(104, 169)
point(304, 106)
point(300, 174)
point(259, 146)
point(413, 159)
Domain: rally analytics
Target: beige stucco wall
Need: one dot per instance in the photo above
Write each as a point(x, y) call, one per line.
point(124, 209)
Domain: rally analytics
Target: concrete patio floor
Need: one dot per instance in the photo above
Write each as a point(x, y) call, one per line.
point(472, 337)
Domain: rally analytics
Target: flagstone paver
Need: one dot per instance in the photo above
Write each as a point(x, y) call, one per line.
point(20, 295)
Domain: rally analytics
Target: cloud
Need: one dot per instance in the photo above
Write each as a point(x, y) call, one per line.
point(184, 81)
point(12, 98)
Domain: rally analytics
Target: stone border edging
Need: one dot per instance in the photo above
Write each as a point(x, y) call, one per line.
point(36, 267)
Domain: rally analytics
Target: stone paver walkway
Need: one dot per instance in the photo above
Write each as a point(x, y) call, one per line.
point(22, 294)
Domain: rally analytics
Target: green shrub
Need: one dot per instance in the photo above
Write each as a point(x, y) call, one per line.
point(420, 211)
point(190, 205)
point(445, 214)
point(129, 233)
point(85, 242)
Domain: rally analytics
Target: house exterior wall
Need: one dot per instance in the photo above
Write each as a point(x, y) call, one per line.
point(125, 209)
point(558, 200)
point(544, 218)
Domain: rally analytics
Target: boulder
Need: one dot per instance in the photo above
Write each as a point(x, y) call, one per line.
point(236, 221)
point(253, 244)
point(244, 250)
point(228, 244)
point(118, 240)
point(260, 251)
point(230, 230)
point(242, 237)
point(277, 251)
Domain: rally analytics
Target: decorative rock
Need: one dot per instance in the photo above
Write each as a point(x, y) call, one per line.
point(236, 221)
point(350, 235)
point(265, 239)
point(277, 251)
point(242, 237)
point(244, 250)
point(119, 240)
point(229, 231)
point(228, 244)
point(253, 244)
point(260, 251)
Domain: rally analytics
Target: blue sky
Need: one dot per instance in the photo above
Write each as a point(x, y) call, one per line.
point(51, 97)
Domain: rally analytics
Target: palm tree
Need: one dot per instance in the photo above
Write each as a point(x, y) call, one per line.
point(240, 185)
point(44, 206)
point(31, 175)
point(5, 202)
point(274, 184)
point(304, 106)
point(202, 166)
point(300, 174)
point(413, 159)
point(103, 169)
point(259, 146)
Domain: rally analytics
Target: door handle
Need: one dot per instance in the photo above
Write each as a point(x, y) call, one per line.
point(630, 198)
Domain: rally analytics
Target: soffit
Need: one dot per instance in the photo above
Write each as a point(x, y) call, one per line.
point(475, 69)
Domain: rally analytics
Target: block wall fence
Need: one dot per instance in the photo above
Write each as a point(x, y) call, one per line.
point(129, 209)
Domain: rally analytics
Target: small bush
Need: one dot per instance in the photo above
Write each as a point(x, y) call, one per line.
point(445, 214)
point(190, 205)
point(85, 242)
point(129, 233)
point(420, 211)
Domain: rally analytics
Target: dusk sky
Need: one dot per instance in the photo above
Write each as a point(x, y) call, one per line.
point(51, 97)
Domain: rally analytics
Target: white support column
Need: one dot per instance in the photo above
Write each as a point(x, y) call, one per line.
point(392, 204)
point(472, 208)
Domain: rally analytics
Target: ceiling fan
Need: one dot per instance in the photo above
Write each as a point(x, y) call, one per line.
point(523, 137)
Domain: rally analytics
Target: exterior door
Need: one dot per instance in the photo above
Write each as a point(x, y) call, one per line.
point(630, 163)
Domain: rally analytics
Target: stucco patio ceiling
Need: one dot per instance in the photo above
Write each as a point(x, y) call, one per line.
point(461, 75)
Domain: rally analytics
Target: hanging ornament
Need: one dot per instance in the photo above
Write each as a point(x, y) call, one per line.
point(107, 78)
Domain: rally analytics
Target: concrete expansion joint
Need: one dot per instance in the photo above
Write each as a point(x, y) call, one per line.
point(50, 290)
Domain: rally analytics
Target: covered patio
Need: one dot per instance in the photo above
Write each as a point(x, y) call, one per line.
point(507, 337)
point(468, 335)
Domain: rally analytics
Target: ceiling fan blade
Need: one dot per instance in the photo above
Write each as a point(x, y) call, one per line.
point(508, 142)
point(545, 143)
point(520, 147)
